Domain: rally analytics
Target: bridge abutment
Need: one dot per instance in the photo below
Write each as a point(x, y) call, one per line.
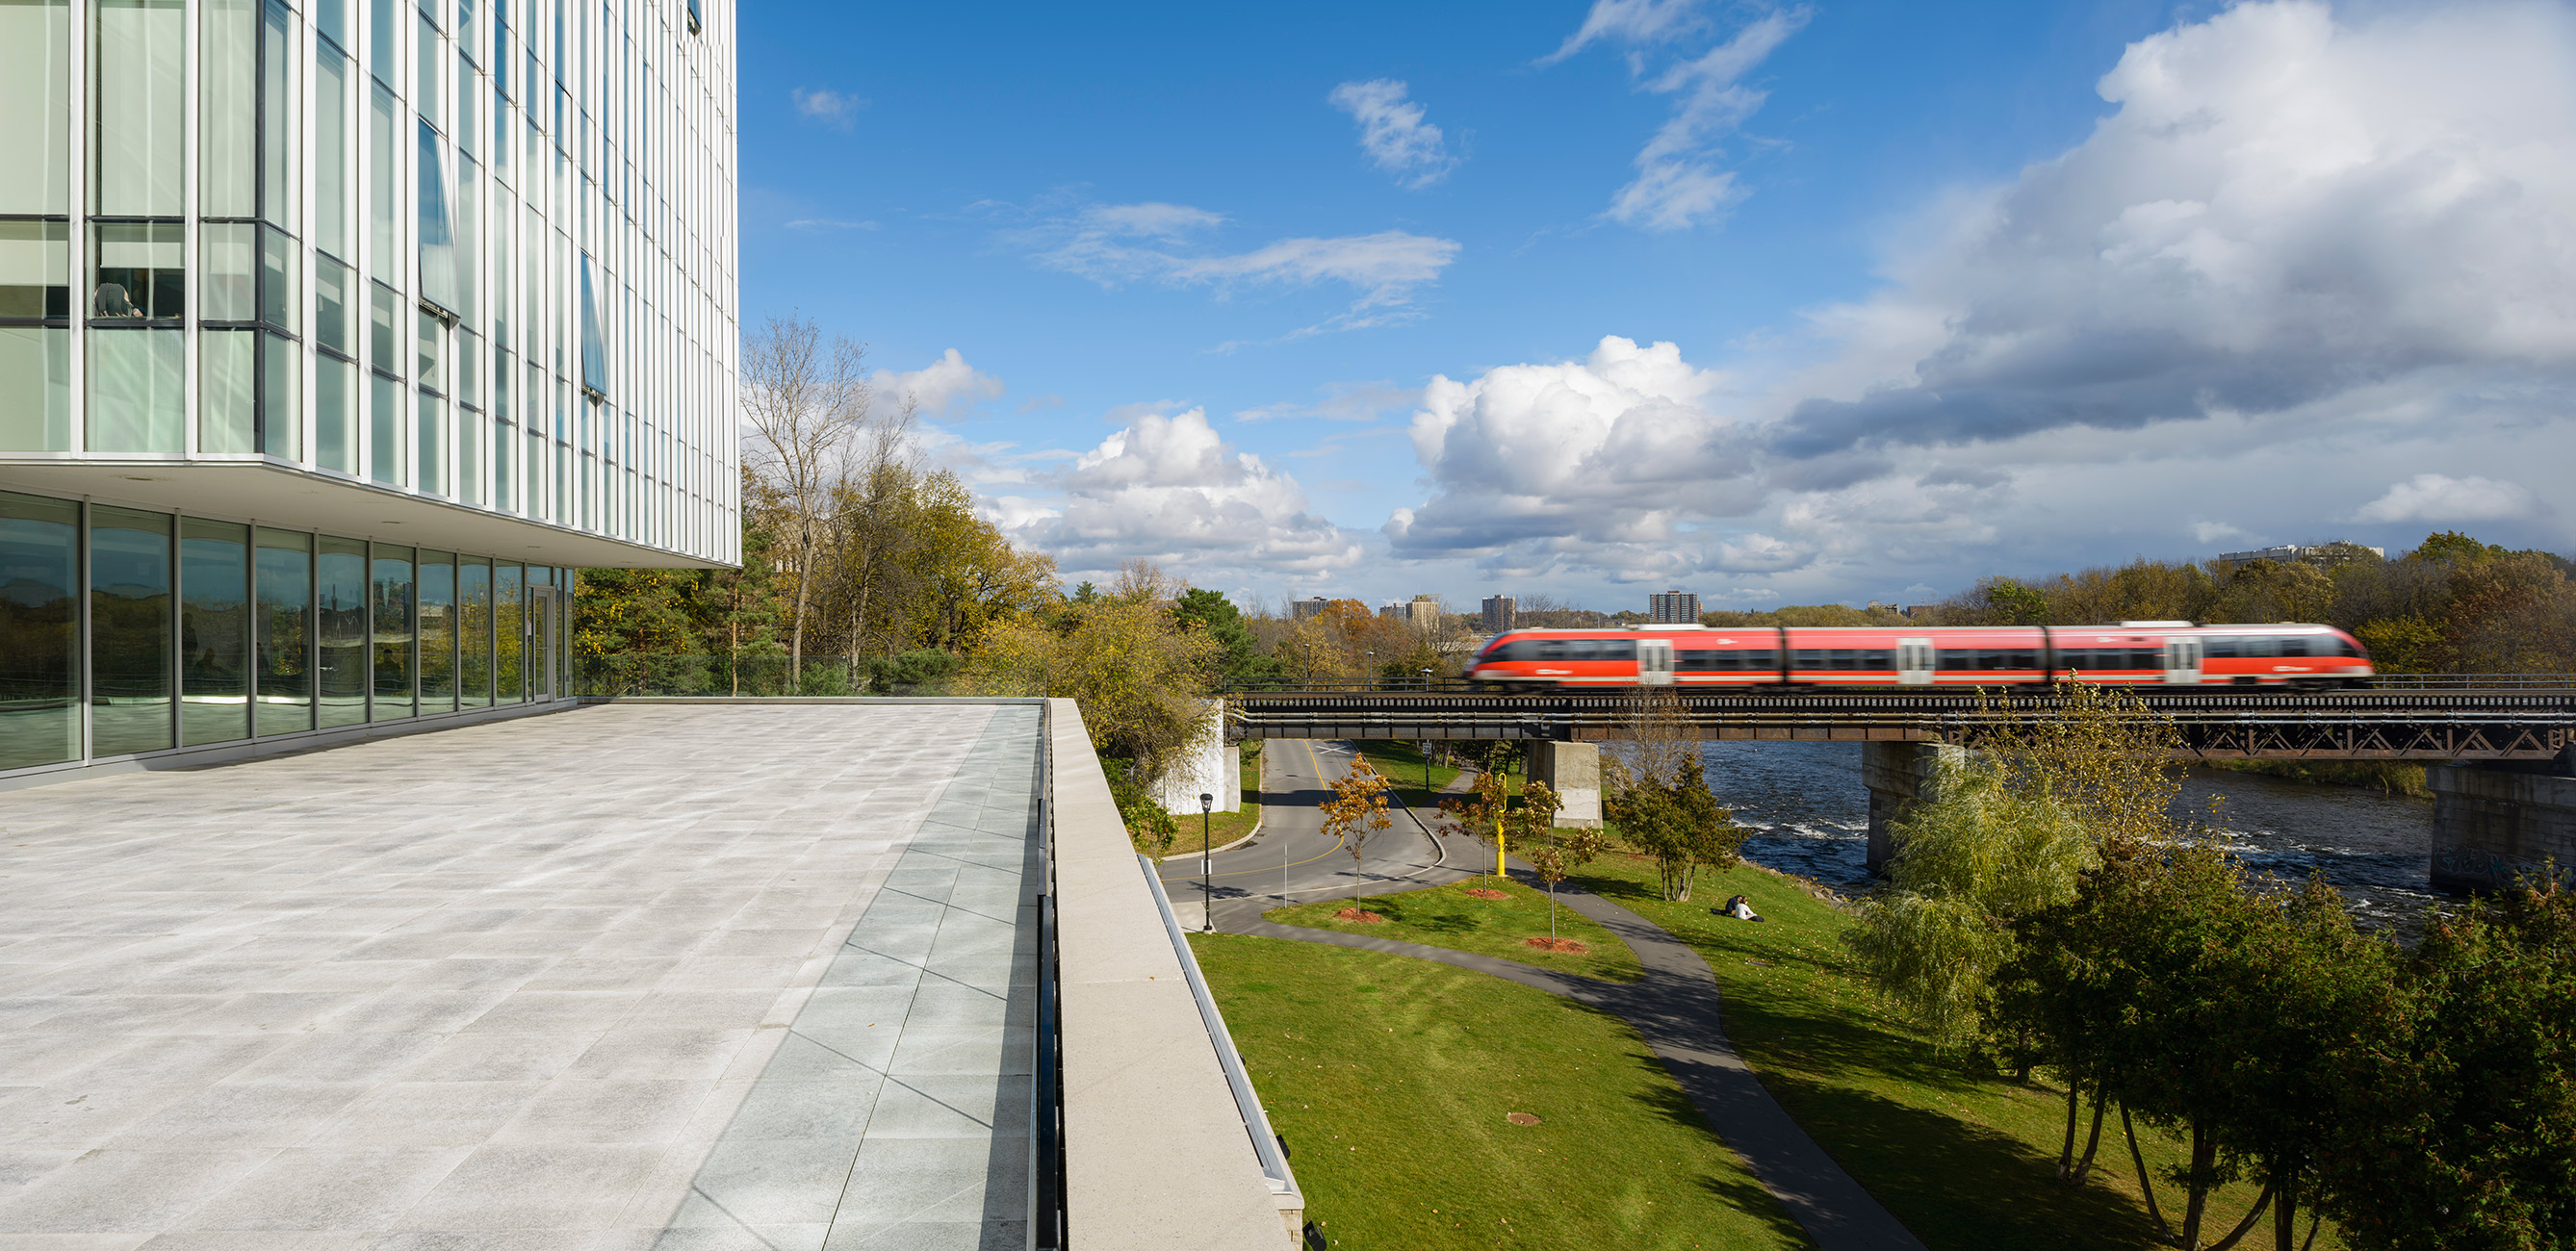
point(2493, 821)
point(1898, 774)
point(1573, 771)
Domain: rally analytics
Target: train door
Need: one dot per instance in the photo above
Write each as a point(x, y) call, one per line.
point(1654, 662)
point(1914, 662)
point(2182, 662)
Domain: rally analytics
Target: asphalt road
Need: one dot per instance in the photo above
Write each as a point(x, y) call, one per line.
point(1293, 861)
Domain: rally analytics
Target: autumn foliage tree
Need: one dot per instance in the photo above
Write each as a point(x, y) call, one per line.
point(1356, 810)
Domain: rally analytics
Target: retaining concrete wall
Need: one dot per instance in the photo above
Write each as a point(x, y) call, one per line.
point(2491, 824)
point(1156, 1154)
point(1215, 767)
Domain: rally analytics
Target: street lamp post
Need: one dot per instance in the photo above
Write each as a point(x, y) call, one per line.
point(1207, 872)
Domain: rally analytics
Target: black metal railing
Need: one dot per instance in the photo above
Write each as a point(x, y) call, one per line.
point(1469, 686)
point(1046, 1163)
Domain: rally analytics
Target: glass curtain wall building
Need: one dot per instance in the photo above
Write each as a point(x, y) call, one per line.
point(333, 335)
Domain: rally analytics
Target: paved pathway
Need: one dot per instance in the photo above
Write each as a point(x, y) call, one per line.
point(620, 977)
point(1675, 1007)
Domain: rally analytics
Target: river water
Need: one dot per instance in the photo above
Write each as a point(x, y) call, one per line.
point(1811, 816)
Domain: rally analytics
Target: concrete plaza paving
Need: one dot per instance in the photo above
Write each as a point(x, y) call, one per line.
point(630, 976)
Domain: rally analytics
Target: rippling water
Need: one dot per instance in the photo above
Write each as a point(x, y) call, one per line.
point(1812, 816)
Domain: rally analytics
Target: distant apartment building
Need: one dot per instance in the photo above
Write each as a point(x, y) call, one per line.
point(1674, 608)
point(1423, 613)
point(1499, 613)
point(2286, 553)
point(1299, 610)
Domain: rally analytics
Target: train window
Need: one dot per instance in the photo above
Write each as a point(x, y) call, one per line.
point(2349, 650)
point(2261, 648)
point(1615, 649)
point(1759, 660)
point(1581, 649)
point(2146, 658)
point(1840, 658)
point(1551, 649)
point(2220, 648)
point(1807, 658)
point(1882, 659)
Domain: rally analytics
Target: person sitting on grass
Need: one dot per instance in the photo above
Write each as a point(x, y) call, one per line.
point(1740, 908)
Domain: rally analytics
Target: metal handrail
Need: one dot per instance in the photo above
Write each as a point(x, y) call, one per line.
point(1256, 1122)
point(1047, 1226)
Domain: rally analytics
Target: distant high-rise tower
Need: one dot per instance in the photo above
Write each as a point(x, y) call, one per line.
point(1299, 610)
point(1501, 612)
point(1674, 608)
point(1424, 613)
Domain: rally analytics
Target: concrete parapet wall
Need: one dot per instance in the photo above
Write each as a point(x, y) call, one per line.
point(2490, 824)
point(1898, 774)
point(1156, 1154)
point(1573, 771)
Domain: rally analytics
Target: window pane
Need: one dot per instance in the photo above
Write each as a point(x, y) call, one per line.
point(437, 632)
point(474, 631)
point(230, 290)
point(429, 54)
point(138, 83)
point(39, 620)
point(281, 264)
point(228, 102)
point(335, 414)
point(227, 400)
point(281, 417)
point(469, 238)
point(504, 468)
point(331, 18)
point(331, 196)
point(391, 624)
point(509, 634)
point(427, 357)
point(432, 425)
point(384, 333)
point(138, 272)
point(594, 351)
point(385, 430)
point(335, 306)
point(214, 632)
point(381, 33)
point(129, 646)
point(35, 109)
point(35, 389)
point(283, 616)
point(384, 187)
point(279, 136)
point(135, 398)
point(437, 234)
point(35, 261)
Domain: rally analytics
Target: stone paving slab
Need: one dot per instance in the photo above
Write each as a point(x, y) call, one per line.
point(626, 976)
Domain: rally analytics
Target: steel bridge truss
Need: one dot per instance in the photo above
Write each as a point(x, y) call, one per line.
point(2363, 725)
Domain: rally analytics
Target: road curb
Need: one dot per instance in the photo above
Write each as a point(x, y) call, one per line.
point(1253, 833)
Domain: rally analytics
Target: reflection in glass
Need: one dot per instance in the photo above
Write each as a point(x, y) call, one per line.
point(335, 306)
point(35, 389)
point(384, 408)
point(340, 600)
point(228, 104)
point(390, 629)
point(138, 87)
point(437, 632)
point(280, 264)
point(279, 136)
point(474, 631)
point(509, 635)
point(35, 106)
point(331, 193)
point(384, 186)
point(129, 631)
point(437, 232)
point(35, 257)
point(227, 255)
point(136, 401)
point(214, 631)
point(335, 414)
point(281, 418)
point(282, 664)
point(39, 621)
point(227, 391)
point(432, 425)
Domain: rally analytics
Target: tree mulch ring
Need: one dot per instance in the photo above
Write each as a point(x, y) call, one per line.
point(1520, 1118)
point(1487, 892)
point(1359, 915)
point(1558, 944)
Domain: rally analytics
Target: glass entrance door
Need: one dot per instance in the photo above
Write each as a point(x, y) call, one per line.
point(541, 657)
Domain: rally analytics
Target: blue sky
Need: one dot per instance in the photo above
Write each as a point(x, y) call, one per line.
point(1937, 303)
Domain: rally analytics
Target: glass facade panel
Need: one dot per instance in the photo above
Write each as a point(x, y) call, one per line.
point(509, 635)
point(342, 656)
point(136, 397)
point(35, 389)
point(335, 306)
point(437, 232)
point(385, 429)
point(282, 659)
point(279, 136)
point(281, 379)
point(227, 254)
point(333, 197)
point(474, 631)
point(390, 630)
point(35, 261)
point(228, 390)
point(138, 103)
point(438, 632)
point(384, 187)
point(214, 631)
point(139, 273)
point(39, 629)
point(129, 631)
point(35, 106)
point(228, 108)
point(281, 266)
point(335, 414)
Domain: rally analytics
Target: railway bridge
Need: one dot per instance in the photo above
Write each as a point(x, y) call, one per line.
point(2501, 753)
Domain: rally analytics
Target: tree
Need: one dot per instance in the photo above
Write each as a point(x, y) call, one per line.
point(1487, 816)
point(805, 402)
point(1556, 853)
point(1656, 793)
point(2015, 603)
point(2461, 1129)
point(1356, 810)
point(1140, 679)
point(1240, 661)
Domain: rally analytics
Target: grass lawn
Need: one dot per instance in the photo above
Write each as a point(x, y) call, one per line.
point(1966, 1161)
point(1222, 827)
point(1390, 1078)
point(1446, 916)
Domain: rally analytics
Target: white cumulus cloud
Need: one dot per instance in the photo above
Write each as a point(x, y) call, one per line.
point(1394, 133)
point(2434, 497)
point(946, 387)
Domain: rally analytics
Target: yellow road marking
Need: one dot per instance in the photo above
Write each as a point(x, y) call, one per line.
point(1318, 763)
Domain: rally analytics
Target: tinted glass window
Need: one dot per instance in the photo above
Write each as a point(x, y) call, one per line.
point(1762, 659)
point(1615, 649)
point(1807, 658)
point(2220, 649)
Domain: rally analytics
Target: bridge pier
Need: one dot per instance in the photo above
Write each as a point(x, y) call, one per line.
point(1897, 774)
point(1573, 771)
point(2492, 821)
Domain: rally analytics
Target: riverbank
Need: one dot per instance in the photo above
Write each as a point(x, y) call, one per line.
point(2388, 777)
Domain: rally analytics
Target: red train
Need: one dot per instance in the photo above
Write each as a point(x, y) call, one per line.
point(2132, 653)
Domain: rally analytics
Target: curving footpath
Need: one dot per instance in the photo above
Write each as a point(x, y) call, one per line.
point(1675, 1007)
